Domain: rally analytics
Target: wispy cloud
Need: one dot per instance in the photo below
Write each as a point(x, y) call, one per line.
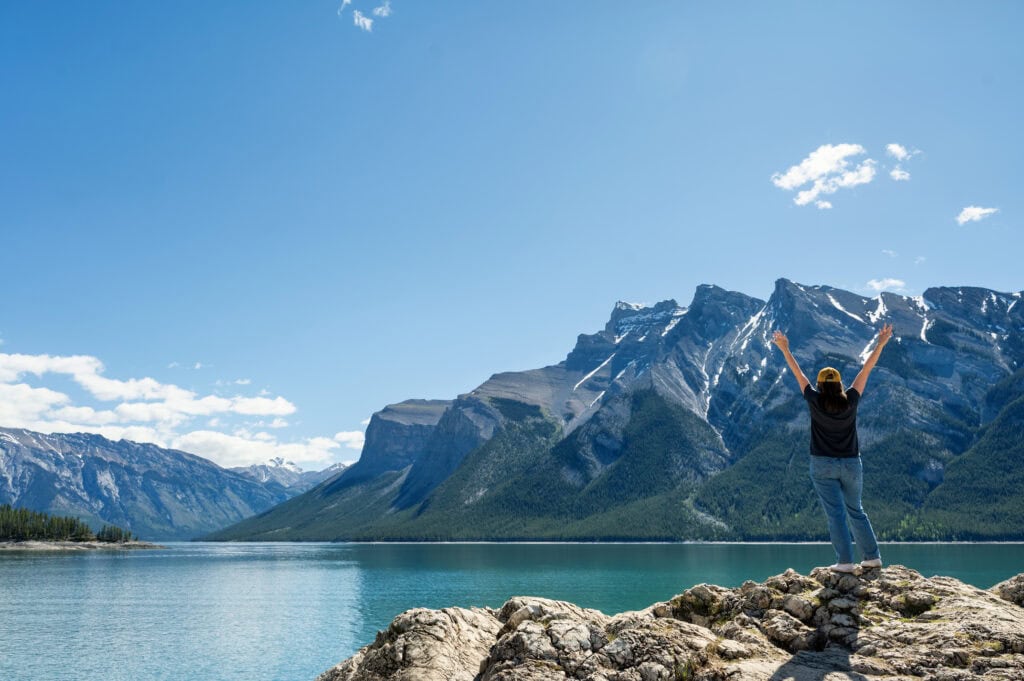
point(901, 154)
point(898, 151)
point(879, 285)
point(344, 4)
point(890, 253)
point(827, 169)
point(147, 410)
point(919, 259)
point(899, 174)
point(362, 21)
point(974, 214)
point(383, 11)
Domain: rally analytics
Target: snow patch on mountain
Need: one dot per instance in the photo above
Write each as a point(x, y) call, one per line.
point(842, 309)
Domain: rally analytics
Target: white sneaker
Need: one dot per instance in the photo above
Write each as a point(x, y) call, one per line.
point(872, 563)
point(843, 567)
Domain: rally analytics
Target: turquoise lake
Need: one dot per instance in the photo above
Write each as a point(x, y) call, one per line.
point(286, 612)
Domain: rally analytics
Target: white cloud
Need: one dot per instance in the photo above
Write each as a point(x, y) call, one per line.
point(344, 4)
point(21, 403)
point(879, 285)
point(365, 422)
point(353, 439)
point(826, 160)
point(262, 406)
point(243, 381)
point(362, 21)
point(898, 151)
point(891, 254)
point(827, 170)
point(146, 410)
point(173, 365)
point(86, 415)
point(197, 365)
point(384, 10)
point(899, 174)
point(142, 399)
point(974, 214)
point(919, 259)
point(246, 449)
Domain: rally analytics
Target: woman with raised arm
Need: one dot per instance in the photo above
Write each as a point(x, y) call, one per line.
point(836, 469)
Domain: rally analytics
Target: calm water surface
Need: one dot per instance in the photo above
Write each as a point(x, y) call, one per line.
point(286, 612)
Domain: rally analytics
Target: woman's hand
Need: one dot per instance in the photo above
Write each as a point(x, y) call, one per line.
point(780, 340)
point(884, 335)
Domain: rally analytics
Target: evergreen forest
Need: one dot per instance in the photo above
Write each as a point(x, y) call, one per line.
point(21, 524)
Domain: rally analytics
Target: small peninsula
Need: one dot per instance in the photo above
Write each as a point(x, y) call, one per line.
point(22, 529)
point(37, 545)
point(880, 624)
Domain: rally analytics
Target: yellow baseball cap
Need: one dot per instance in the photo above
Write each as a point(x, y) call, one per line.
point(829, 375)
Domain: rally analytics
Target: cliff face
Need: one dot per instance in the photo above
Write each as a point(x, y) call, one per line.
point(889, 623)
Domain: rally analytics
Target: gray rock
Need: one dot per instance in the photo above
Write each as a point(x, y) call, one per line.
point(424, 645)
point(972, 634)
point(798, 607)
point(1011, 590)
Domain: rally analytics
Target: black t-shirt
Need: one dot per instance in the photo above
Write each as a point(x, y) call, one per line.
point(833, 435)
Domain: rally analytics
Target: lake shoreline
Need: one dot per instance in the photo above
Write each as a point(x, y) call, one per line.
point(72, 546)
point(1011, 542)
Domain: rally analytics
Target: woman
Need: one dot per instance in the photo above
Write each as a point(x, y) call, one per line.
point(836, 469)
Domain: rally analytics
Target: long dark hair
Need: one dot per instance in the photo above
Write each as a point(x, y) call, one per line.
point(832, 398)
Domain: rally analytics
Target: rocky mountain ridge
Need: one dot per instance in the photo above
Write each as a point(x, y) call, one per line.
point(647, 425)
point(155, 493)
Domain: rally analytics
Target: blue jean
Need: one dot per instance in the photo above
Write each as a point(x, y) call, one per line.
point(838, 483)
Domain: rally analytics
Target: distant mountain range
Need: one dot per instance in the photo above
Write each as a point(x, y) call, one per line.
point(158, 494)
point(680, 422)
point(290, 477)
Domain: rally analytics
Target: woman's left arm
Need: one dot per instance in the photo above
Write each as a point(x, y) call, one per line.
point(862, 378)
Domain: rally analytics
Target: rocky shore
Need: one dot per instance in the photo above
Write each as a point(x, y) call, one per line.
point(76, 546)
point(889, 623)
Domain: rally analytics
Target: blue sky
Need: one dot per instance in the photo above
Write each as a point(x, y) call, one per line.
point(240, 228)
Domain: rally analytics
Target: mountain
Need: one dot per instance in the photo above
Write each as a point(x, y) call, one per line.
point(679, 422)
point(287, 475)
point(156, 493)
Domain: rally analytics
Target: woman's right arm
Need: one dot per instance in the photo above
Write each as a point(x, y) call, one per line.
point(862, 378)
point(780, 340)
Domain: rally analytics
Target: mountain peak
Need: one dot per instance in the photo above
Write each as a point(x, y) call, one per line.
point(633, 318)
